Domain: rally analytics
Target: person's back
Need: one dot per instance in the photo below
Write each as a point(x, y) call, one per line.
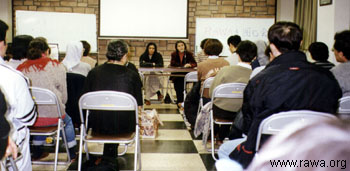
point(342, 55)
point(289, 82)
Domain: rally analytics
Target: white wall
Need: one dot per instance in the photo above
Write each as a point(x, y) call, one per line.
point(331, 19)
point(6, 16)
point(285, 10)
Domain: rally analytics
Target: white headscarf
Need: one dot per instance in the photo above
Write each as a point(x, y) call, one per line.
point(73, 55)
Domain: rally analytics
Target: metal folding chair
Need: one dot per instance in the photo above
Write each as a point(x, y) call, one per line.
point(190, 77)
point(344, 107)
point(227, 91)
point(45, 97)
point(276, 122)
point(108, 101)
point(206, 85)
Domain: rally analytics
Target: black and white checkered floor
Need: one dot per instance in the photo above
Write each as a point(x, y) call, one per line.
point(174, 149)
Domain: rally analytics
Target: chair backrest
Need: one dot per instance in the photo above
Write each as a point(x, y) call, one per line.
point(207, 83)
point(344, 105)
point(45, 97)
point(190, 77)
point(229, 90)
point(276, 122)
point(107, 100)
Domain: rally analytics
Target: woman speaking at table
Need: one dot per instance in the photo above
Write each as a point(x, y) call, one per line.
point(181, 58)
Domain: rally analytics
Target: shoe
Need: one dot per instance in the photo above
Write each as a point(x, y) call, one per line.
point(147, 102)
point(160, 97)
point(36, 157)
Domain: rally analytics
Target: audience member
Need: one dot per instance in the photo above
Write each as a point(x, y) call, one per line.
point(22, 111)
point(19, 50)
point(181, 58)
point(240, 73)
point(233, 42)
point(86, 58)
point(72, 60)
point(8, 54)
point(305, 145)
point(270, 57)
point(342, 54)
point(7, 147)
point(319, 53)
point(262, 58)
point(211, 66)
point(201, 56)
point(48, 73)
point(287, 83)
point(113, 75)
point(153, 83)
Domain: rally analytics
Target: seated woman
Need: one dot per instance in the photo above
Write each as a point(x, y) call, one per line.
point(72, 60)
point(114, 75)
point(19, 50)
point(86, 58)
point(49, 74)
point(151, 58)
point(181, 58)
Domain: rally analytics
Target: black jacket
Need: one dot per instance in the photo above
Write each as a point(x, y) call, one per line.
point(289, 82)
point(157, 58)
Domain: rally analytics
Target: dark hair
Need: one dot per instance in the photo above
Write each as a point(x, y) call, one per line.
point(342, 43)
point(267, 51)
point(247, 51)
point(20, 46)
point(36, 48)
point(3, 29)
point(180, 41)
point(148, 45)
point(203, 42)
point(86, 47)
point(116, 50)
point(234, 40)
point(319, 51)
point(286, 36)
point(213, 47)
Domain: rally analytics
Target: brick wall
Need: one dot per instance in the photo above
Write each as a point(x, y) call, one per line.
point(197, 8)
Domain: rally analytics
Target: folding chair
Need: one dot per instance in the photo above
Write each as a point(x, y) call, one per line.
point(206, 85)
point(276, 122)
point(227, 91)
point(190, 77)
point(344, 107)
point(108, 101)
point(45, 97)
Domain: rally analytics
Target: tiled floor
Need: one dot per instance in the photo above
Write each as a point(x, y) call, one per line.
point(174, 149)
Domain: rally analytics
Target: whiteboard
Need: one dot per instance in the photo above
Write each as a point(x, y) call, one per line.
point(148, 19)
point(252, 29)
point(58, 27)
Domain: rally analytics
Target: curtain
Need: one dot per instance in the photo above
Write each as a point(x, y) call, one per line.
point(306, 17)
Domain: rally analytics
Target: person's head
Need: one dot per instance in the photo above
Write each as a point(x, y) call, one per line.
point(74, 51)
point(233, 42)
point(213, 47)
point(180, 46)
point(284, 37)
point(319, 51)
point(3, 30)
point(342, 46)
point(151, 48)
point(246, 51)
point(20, 46)
point(323, 140)
point(202, 43)
point(87, 48)
point(117, 50)
point(38, 48)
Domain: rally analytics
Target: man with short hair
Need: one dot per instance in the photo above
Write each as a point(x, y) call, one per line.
point(22, 111)
point(319, 53)
point(233, 42)
point(289, 82)
point(342, 54)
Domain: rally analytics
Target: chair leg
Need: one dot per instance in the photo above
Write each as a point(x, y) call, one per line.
point(212, 135)
point(81, 147)
point(64, 137)
point(57, 144)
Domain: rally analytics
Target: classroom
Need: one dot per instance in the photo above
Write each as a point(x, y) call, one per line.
point(177, 140)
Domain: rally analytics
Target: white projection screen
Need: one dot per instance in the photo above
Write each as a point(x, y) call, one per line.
point(143, 18)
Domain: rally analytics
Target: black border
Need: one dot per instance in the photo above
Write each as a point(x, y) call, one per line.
point(135, 37)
